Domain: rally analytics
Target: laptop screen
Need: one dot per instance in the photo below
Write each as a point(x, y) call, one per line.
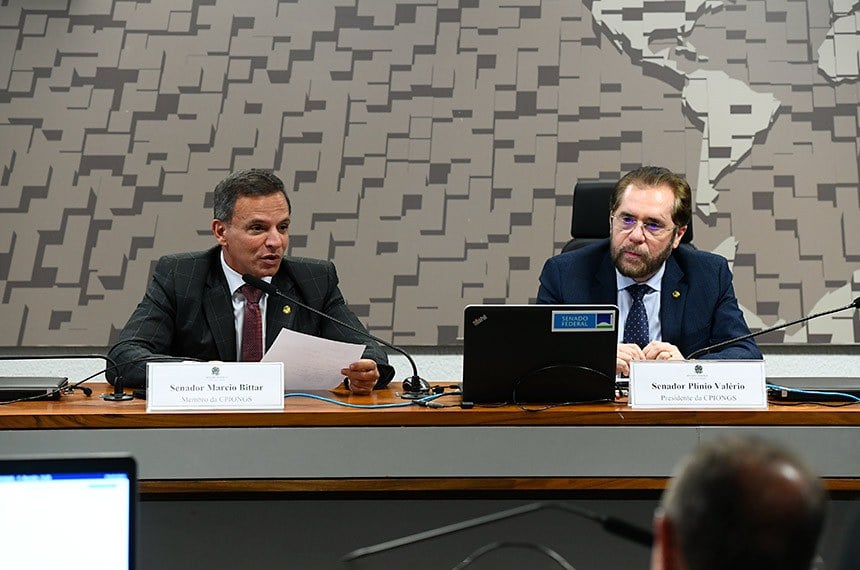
point(539, 353)
point(48, 506)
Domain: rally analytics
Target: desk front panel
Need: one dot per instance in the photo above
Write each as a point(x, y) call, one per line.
point(318, 442)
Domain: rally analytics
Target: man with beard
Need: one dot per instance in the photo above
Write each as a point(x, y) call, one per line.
point(672, 301)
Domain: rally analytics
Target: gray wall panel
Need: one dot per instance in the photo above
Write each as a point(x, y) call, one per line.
point(430, 148)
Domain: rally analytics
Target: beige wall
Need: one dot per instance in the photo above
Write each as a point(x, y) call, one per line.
point(430, 149)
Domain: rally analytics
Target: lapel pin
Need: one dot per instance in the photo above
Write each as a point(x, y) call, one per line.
point(676, 294)
point(287, 310)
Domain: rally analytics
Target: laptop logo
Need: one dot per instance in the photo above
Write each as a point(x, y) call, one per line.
point(479, 320)
point(583, 321)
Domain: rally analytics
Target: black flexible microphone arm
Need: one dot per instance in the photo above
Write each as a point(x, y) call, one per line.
point(612, 525)
point(272, 290)
point(852, 305)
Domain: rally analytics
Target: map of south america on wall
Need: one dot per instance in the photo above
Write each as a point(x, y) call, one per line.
point(729, 112)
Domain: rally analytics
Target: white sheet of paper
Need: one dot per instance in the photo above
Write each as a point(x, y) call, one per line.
point(311, 362)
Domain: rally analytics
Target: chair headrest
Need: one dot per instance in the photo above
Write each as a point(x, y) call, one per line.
point(590, 219)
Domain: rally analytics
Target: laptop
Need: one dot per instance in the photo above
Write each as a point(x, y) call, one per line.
point(814, 389)
point(48, 506)
point(539, 353)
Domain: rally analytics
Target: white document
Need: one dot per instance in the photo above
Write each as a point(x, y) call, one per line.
point(311, 362)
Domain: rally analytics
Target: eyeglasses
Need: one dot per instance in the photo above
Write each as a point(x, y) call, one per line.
point(626, 224)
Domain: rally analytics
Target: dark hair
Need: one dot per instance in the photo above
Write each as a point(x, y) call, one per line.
point(682, 210)
point(250, 182)
point(733, 506)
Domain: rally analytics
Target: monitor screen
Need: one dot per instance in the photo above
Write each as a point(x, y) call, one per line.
point(50, 506)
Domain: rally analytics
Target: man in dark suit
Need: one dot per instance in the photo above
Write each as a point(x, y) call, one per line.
point(739, 503)
point(672, 300)
point(196, 306)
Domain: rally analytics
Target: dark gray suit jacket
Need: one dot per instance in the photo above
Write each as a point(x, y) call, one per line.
point(187, 312)
point(698, 307)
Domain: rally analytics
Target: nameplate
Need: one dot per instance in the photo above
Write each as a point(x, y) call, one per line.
point(698, 384)
point(208, 386)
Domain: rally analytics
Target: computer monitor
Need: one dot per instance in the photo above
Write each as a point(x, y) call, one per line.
point(539, 353)
point(74, 513)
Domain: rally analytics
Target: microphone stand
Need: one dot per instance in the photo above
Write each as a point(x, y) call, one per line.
point(852, 305)
point(612, 525)
point(118, 394)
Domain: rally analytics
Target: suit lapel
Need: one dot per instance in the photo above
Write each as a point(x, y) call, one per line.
point(218, 308)
point(280, 313)
point(604, 287)
point(673, 299)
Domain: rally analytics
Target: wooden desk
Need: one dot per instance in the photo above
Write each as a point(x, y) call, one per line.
point(317, 446)
point(352, 477)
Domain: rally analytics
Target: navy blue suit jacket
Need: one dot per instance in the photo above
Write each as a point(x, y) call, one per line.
point(698, 307)
point(187, 311)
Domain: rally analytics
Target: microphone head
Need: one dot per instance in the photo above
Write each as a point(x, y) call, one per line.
point(259, 284)
point(856, 303)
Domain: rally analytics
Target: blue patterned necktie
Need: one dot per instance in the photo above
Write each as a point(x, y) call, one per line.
point(636, 325)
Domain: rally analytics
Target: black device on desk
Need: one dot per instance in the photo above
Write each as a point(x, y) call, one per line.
point(539, 353)
point(32, 387)
point(814, 389)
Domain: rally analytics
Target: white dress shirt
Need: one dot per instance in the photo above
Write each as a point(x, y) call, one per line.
point(234, 282)
point(651, 300)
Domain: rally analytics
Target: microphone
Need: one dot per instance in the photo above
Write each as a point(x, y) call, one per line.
point(852, 305)
point(613, 525)
point(413, 384)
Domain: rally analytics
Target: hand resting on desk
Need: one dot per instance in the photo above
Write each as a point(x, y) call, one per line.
point(654, 350)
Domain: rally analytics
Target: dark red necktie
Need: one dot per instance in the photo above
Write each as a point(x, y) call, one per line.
point(252, 325)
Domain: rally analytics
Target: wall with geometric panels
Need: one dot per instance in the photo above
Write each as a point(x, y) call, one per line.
point(430, 148)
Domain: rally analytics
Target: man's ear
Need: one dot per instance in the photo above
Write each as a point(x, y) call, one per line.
point(666, 552)
point(218, 229)
point(680, 233)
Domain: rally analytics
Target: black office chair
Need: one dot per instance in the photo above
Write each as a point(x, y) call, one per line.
point(590, 220)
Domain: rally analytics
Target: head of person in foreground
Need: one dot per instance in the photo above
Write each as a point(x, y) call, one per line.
point(740, 504)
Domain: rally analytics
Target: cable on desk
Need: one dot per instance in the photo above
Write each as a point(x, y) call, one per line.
point(46, 395)
point(416, 402)
point(440, 405)
point(535, 373)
